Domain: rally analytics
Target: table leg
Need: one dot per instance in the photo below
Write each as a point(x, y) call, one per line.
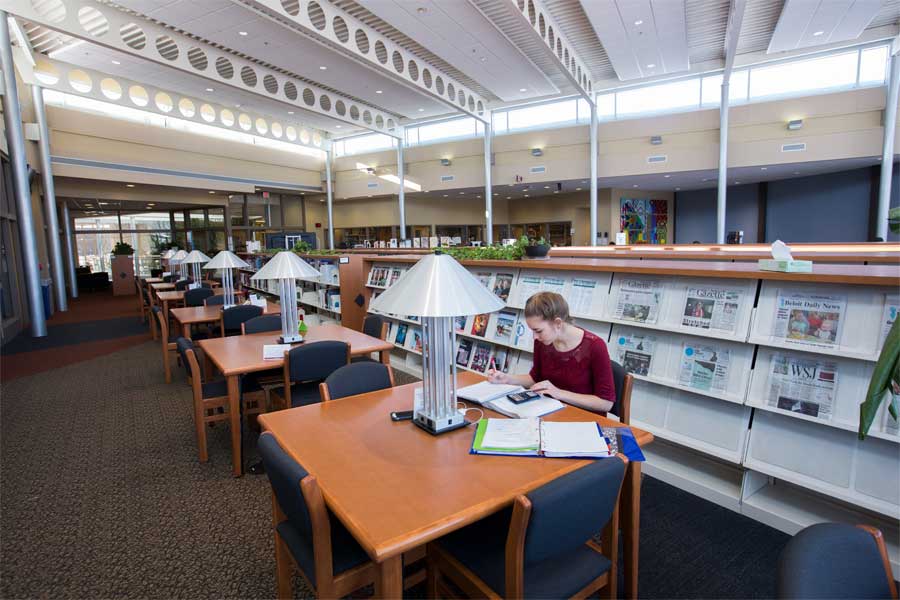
point(630, 507)
point(186, 330)
point(234, 413)
point(385, 357)
point(389, 578)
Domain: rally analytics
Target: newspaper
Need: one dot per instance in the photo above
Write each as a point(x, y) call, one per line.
point(888, 316)
point(529, 285)
point(813, 319)
point(711, 307)
point(634, 351)
point(581, 296)
point(638, 300)
point(802, 385)
point(704, 367)
point(552, 283)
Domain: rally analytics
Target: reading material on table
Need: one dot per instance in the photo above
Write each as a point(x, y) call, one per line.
point(493, 396)
point(275, 351)
point(534, 437)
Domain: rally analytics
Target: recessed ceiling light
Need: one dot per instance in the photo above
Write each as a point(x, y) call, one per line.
point(546, 187)
point(677, 189)
point(323, 68)
point(635, 185)
point(577, 189)
point(421, 10)
point(242, 33)
point(526, 195)
point(509, 197)
point(446, 195)
point(638, 23)
point(421, 110)
point(523, 89)
point(129, 185)
point(211, 192)
point(651, 65)
point(338, 126)
point(378, 92)
point(290, 112)
point(103, 203)
point(115, 62)
point(763, 168)
point(210, 90)
point(818, 33)
point(555, 191)
point(796, 172)
point(666, 176)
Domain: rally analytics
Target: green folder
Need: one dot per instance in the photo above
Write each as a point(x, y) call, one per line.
point(479, 448)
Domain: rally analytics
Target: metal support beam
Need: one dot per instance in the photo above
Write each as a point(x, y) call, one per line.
point(723, 166)
point(488, 191)
point(71, 251)
point(887, 149)
point(330, 198)
point(594, 149)
point(56, 260)
point(15, 137)
point(401, 196)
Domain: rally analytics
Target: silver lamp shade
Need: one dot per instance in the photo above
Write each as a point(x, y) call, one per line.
point(287, 268)
point(226, 260)
point(177, 259)
point(195, 258)
point(437, 288)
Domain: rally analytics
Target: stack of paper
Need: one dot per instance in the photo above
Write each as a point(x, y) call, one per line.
point(493, 396)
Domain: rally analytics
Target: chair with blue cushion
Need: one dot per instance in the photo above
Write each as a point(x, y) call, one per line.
point(261, 324)
point(375, 326)
point(541, 547)
point(168, 340)
point(170, 278)
point(218, 300)
point(197, 296)
point(623, 381)
point(233, 316)
point(306, 366)
point(356, 378)
point(182, 284)
point(835, 560)
point(156, 272)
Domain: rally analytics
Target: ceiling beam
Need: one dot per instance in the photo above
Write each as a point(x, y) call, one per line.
point(140, 37)
point(339, 30)
point(732, 33)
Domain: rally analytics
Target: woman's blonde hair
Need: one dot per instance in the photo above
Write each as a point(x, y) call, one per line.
point(548, 306)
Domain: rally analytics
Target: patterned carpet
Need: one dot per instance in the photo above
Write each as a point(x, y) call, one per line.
point(101, 496)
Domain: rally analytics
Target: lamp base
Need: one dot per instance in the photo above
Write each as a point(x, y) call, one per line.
point(423, 421)
point(291, 339)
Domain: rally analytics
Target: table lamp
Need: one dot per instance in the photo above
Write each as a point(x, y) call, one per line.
point(287, 268)
point(176, 260)
point(167, 258)
point(437, 288)
point(195, 258)
point(226, 260)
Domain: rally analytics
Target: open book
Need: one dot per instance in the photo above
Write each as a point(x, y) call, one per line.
point(534, 437)
point(493, 396)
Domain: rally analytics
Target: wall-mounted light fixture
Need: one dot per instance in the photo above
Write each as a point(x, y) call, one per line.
point(795, 124)
point(446, 162)
point(537, 152)
point(656, 140)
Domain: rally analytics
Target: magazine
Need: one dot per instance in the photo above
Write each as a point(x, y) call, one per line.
point(479, 325)
point(529, 285)
point(395, 275)
point(500, 360)
point(459, 323)
point(809, 318)
point(802, 385)
point(464, 352)
point(581, 296)
point(481, 358)
point(485, 278)
point(504, 325)
point(704, 367)
point(503, 285)
point(402, 328)
point(634, 352)
point(710, 307)
point(888, 316)
point(523, 336)
point(638, 300)
point(414, 340)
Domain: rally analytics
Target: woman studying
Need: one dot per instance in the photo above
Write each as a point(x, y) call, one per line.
point(570, 364)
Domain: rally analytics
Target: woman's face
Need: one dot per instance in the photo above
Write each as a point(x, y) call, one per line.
point(546, 332)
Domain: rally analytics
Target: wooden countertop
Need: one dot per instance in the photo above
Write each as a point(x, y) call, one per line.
point(872, 253)
point(846, 274)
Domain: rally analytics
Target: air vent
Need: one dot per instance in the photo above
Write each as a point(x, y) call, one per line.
point(372, 185)
point(446, 178)
point(801, 147)
point(534, 170)
point(658, 158)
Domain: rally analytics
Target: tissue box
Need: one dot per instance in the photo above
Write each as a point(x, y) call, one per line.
point(785, 266)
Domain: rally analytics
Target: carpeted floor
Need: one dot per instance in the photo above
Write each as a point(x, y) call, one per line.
point(101, 495)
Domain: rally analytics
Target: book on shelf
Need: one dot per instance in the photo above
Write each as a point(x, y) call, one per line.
point(802, 384)
point(485, 277)
point(396, 273)
point(888, 316)
point(391, 331)
point(481, 357)
point(809, 319)
point(414, 339)
point(528, 285)
point(400, 338)
point(502, 326)
point(464, 352)
point(503, 285)
point(479, 325)
point(501, 359)
point(459, 323)
point(534, 437)
point(711, 307)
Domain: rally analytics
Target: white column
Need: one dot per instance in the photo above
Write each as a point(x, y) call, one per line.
point(15, 137)
point(71, 252)
point(488, 186)
point(593, 228)
point(330, 199)
point(723, 165)
point(887, 150)
point(401, 195)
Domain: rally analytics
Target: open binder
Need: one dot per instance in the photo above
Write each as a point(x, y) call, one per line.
point(534, 437)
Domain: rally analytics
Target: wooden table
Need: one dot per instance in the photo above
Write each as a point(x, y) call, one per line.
point(396, 487)
point(162, 287)
point(241, 354)
point(178, 296)
point(193, 315)
point(152, 279)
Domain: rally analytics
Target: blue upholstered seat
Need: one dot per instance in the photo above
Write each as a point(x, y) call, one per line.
point(302, 394)
point(218, 300)
point(197, 296)
point(262, 324)
point(358, 378)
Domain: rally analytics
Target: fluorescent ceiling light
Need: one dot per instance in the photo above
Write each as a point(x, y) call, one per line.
point(378, 91)
point(115, 62)
point(323, 68)
point(242, 33)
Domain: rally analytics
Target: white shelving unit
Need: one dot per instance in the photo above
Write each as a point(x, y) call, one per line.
point(703, 351)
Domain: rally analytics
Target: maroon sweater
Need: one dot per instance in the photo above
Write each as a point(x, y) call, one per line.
point(584, 370)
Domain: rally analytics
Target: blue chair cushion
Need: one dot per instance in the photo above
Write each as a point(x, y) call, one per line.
point(302, 394)
point(482, 548)
point(215, 389)
point(346, 553)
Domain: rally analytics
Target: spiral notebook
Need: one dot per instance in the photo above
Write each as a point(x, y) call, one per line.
point(534, 437)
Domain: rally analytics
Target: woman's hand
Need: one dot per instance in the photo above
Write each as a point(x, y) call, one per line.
point(497, 376)
point(546, 388)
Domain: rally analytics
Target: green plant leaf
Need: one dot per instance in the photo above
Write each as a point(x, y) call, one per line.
point(886, 369)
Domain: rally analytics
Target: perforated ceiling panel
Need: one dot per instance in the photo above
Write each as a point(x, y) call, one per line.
point(576, 26)
point(706, 21)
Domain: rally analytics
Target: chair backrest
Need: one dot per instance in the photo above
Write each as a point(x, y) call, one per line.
point(182, 345)
point(196, 297)
point(315, 361)
point(182, 284)
point(357, 378)
point(835, 560)
point(233, 316)
point(156, 272)
point(623, 382)
point(569, 510)
point(261, 324)
point(215, 300)
point(170, 278)
point(285, 475)
point(163, 325)
point(206, 284)
point(373, 325)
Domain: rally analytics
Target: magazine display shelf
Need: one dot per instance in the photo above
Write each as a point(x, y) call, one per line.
point(702, 416)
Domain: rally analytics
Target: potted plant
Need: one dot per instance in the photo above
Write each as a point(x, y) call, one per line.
point(302, 247)
point(123, 249)
point(537, 248)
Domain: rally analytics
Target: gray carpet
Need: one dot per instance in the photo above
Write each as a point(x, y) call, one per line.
point(69, 334)
point(102, 496)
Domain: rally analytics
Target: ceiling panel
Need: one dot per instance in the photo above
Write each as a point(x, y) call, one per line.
point(575, 25)
point(808, 23)
point(760, 18)
point(707, 21)
point(466, 39)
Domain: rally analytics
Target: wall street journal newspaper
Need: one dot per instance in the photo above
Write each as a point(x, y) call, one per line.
point(711, 308)
point(803, 385)
point(813, 319)
point(704, 367)
point(638, 300)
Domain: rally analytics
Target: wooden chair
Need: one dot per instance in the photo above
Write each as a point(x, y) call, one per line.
point(217, 300)
point(309, 538)
point(305, 367)
point(356, 378)
point(624, 382)
point(261, 324)
point(375, 326)
point(167, 339)
point(542, 547)
point(140, 294)
point(232, 317)
point(268, 380)
point(835, 560)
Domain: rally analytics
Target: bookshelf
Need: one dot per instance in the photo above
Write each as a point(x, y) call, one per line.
point(708, 345)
